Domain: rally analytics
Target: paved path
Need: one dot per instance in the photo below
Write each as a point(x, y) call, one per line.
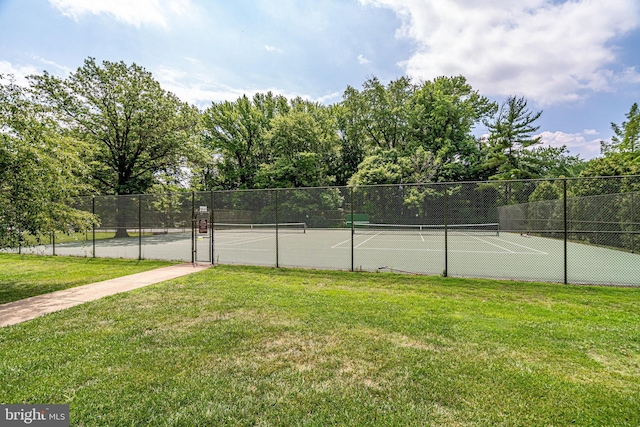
point(30, 308)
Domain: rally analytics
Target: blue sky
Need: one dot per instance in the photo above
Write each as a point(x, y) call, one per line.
point(577, 60)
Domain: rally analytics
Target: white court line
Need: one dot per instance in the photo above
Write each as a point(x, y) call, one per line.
point(341, 243)
point(363, 242)
point(508, 251)
point(245, 249)
point(252, 240)
point(241, 242)
point(355, 236)
point(461, 251)
point(492, 244)
point(522, 246)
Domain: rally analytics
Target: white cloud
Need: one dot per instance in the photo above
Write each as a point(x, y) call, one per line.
point(272, 49)
point(575, 142)
point(202, 90)
point(19, 72)
point(329, 98)
point(136, 13)
point(630, 75)
point(362, 60)
point(545, 50)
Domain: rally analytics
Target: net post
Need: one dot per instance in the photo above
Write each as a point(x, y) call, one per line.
point(352, 228)
point(564, 207)
point(93, 226)
point(445, 273)
point(140, 227)
point(277, 221)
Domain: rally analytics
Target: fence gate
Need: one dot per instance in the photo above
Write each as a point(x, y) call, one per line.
point(202, 235)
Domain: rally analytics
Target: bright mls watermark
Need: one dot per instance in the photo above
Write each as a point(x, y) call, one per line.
point(34, 415)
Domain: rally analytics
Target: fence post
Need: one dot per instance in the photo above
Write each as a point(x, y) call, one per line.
point(53, 240)
point(277, 243)
point(93, 226)
point(212, 236)
point(445, 273)
point(352, 229)
point(564, 199)
point(193, 228)
point(140, 227)
point(633, 225)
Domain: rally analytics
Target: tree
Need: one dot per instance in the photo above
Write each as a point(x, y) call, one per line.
point(442, 114)
point(378, 115)
point(553, 162)
point(40, 170)
point(626, 137)
point(511, 135)
point(437, 116)
point(135, 128)
point(234, 136)
point(622, 155)
point(303, 146)
point(352, 150)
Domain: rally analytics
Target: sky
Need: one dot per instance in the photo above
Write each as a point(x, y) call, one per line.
point(578, 61)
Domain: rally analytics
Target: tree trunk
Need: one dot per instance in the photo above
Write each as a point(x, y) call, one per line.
point(121, 217)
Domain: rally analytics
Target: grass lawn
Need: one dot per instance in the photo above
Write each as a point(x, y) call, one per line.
point(23, 276)
point(87, 237)
point(247, 346)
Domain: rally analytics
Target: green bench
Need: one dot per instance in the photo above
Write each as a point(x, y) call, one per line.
point(357, 219)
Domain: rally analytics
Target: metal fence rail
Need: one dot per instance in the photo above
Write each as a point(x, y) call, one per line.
point(583, 230)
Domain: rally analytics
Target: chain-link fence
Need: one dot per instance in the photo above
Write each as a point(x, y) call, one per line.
point(560, 230)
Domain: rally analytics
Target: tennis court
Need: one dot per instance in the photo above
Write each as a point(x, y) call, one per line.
point(584, 230)
point(478, 251)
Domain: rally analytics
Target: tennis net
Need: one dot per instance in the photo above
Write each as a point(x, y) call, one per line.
point(260, 228)
point(488, 229)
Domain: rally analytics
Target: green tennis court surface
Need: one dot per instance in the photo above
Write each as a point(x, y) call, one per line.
point(469, 254)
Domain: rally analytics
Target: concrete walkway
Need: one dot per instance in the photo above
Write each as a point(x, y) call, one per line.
point(30, 308)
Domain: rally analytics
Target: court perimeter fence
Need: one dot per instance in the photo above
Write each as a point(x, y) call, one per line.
point(577, 230)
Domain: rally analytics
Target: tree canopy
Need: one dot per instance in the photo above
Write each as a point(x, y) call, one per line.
point(128, 135)
point(40, 170)
point(134, 129)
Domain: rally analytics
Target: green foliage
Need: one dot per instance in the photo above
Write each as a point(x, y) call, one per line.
point(303, 146)
point(234, 136)
point(40, 170)
point(622, 155)
point(511, 135)
point(391, 167)
point(381, 168)
point(134, 128)
point(547, 190)
point(437, 116)
point(626, 137)
point(442, 115)
point(613, 164)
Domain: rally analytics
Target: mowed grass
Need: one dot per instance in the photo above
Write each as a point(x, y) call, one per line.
point(23, 276)
point(244, 346)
